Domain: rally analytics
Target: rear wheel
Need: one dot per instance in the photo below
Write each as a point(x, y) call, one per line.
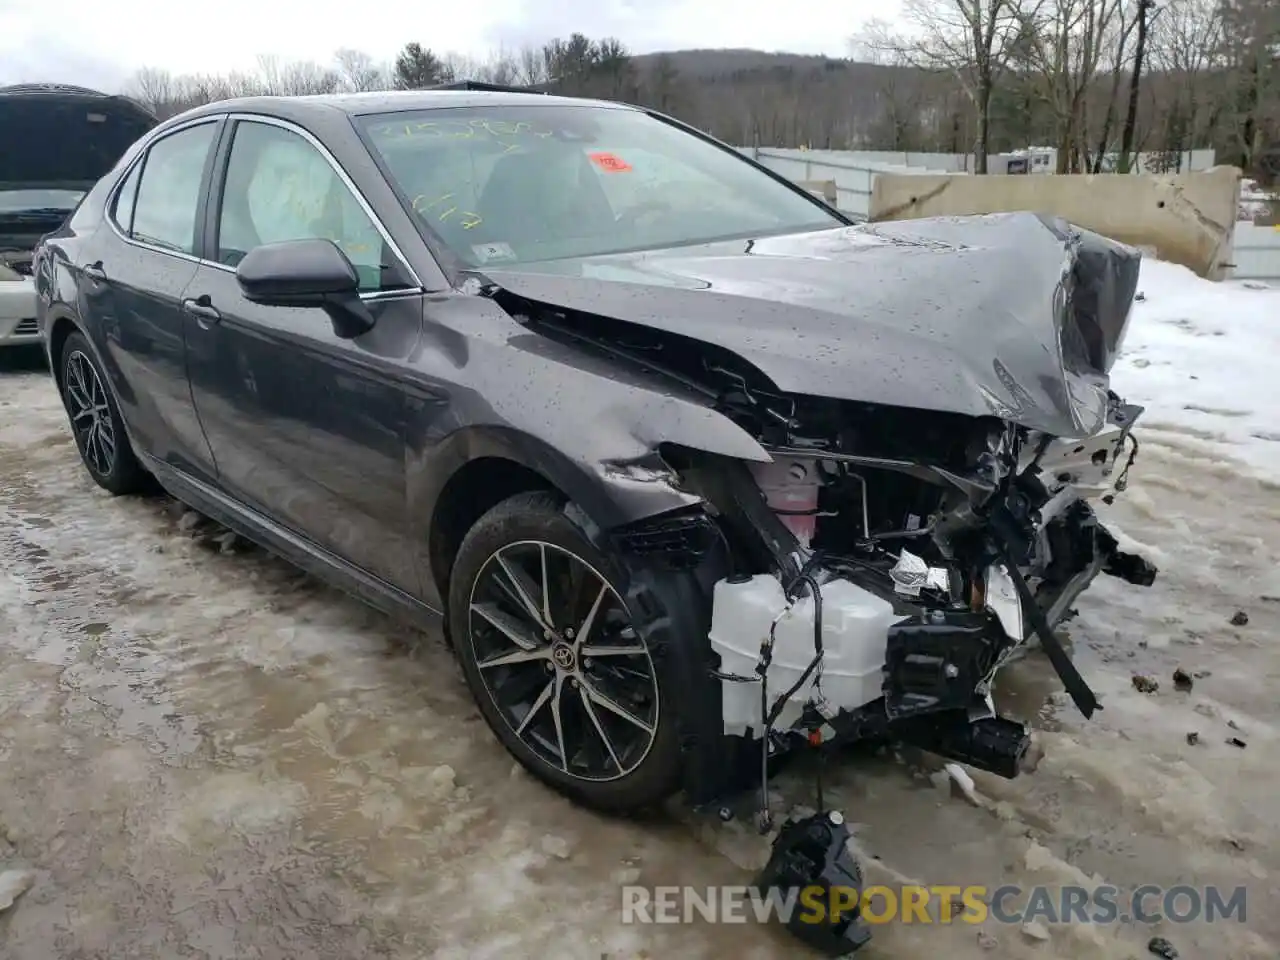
point(95, 421)
point(554, 659)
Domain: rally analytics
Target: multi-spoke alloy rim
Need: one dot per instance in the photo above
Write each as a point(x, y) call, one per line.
point(90, 417)
point(561, 661)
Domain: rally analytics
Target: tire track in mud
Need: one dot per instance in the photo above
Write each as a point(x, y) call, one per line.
point(215, 754)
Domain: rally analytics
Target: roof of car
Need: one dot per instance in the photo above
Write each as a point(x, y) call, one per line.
point(66, 91)
point(51, 90)
point(390, 101)
point(43, 94)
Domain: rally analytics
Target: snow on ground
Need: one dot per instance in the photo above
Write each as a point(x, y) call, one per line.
point(1203, 356)
point(205, 754)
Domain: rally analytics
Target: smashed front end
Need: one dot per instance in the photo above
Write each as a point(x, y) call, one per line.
point(900, 559)
point(929, 420)
point(921, 514)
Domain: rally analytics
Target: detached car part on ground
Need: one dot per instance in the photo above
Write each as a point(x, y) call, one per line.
point(58, 141)
point(697, 472)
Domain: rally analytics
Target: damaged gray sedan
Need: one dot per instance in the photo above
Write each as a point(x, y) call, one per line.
point(695, 471)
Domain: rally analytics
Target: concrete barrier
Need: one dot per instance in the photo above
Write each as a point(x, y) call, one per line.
point(1186, 218)
point(822, 189)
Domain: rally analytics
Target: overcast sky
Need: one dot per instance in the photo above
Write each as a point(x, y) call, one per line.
point(101, 43)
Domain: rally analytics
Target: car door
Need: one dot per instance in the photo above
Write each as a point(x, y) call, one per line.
point(307, 427)
point(133, 279)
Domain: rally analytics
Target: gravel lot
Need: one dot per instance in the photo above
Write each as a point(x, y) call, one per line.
point(207, 754)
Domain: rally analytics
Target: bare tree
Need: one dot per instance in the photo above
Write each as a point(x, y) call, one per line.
point(1146, 13)
point(1058, 73)
point(153, 88)
point(304, 78)
point(898, 111)
point(1120, 32)
point(358, 72)
point(1185, 44)
point(970, 39)
point(498, 67)
point(1251, 47)
point(531, 66)
point(269, 69)
point(1066, 42)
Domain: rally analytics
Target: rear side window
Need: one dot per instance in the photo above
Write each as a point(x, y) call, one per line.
point(122, 209)
point(168, 194)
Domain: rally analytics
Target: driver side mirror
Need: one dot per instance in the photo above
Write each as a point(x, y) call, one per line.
point(306, 273)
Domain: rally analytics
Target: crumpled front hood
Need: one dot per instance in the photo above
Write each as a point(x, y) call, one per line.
point(52, 134)
point(1012, 315)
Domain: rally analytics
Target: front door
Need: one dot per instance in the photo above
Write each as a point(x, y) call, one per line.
point(307, 427)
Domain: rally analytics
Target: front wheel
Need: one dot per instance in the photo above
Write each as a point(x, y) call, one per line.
point(555, 662)
point(95, 421)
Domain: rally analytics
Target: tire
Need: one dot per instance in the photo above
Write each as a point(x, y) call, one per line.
point(600, 759)
point(103, 443)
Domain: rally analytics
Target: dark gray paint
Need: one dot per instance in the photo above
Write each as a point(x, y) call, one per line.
point(306, 427)
point(954, 315)
point(339, 453)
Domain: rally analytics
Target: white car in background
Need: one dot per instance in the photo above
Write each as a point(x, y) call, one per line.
point(58, 141)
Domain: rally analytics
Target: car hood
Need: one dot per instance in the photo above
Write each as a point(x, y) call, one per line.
point(56, 135)
point(1011, 315)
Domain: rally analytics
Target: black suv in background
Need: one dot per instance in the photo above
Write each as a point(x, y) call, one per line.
point(56, 141)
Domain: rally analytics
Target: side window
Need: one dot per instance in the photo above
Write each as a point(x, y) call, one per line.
point(122, 209)
point(280, 187)
point(169, 192)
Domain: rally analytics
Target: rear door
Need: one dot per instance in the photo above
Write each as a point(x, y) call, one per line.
point(133, 280)
point(307, 427)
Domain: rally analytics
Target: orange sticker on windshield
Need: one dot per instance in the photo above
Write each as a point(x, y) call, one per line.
point(610, 163)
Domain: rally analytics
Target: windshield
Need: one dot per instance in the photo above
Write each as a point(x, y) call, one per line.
point(524, 183)
point(27, 201)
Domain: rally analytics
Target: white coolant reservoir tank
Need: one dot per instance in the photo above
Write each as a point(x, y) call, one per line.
point(855, 625)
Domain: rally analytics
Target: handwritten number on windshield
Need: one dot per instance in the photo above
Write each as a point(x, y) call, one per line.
point(500, 130)
point(427, 208)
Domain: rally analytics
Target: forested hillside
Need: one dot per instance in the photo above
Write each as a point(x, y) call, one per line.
point(1090, 77)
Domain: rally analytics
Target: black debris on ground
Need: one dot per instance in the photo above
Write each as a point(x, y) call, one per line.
point(1145, 684)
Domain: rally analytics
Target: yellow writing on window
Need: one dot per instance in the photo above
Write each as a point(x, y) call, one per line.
point(442, 210)
point(461, 129)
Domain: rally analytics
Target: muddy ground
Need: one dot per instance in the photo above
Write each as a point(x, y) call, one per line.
point(206, 754)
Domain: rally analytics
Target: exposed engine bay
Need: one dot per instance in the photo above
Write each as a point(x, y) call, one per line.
point(907, 577)
point(871, 579)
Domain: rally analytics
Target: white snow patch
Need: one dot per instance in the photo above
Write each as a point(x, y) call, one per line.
point(1136, 547)
point(1201, 357)
point(13, 884)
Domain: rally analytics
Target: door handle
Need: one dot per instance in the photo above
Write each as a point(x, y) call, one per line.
point(202, 309)
point(94, 271)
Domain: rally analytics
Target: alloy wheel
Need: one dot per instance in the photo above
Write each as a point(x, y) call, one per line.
point(86, 400)
point(561, 661)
